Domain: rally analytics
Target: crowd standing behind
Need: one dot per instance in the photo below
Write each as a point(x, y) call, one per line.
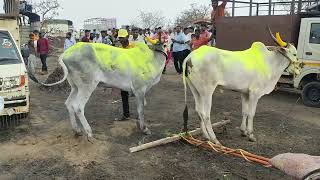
point(178, 42)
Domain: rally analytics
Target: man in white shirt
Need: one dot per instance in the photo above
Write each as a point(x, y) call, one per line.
point(188, 34)
point(68, 42)
point(136, 37)
point(97, 38)
point(180, 49)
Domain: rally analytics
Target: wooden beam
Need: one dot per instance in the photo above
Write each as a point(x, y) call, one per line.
point(173, 138)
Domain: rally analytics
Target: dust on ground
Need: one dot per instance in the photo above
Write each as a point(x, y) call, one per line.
point(44, 147)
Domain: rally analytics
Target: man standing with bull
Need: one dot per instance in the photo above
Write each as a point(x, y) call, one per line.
point(123, 36)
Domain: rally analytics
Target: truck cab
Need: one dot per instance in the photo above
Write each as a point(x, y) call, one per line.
point(309, 53)
point(300, 27)
point(14, 86)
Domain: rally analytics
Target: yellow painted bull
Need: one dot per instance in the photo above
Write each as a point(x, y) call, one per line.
point(253, 73)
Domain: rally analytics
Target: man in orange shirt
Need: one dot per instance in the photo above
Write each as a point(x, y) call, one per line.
point(218, 11)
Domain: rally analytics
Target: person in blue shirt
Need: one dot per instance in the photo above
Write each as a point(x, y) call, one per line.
point(181, 49)
point(68, 41)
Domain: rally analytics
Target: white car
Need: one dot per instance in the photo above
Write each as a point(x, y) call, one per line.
point(14, 86)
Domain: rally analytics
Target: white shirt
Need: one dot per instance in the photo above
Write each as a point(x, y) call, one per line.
point(97, 40)
point(188, 39)
point(177, 47)
point(68, 43)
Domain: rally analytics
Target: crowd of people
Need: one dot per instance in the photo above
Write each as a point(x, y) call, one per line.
point(178, 42)
point(38, 46)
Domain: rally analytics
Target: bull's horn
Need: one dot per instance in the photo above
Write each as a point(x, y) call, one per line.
point(272, 36)
point(152, 41)
point(280, 41)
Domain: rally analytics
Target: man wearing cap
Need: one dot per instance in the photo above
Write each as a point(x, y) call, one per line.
point(123, 36)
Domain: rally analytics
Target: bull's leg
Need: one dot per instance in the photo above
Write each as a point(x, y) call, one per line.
point(203, 128)
point(145, 101)
point(198, 103)
point(140, 97)
point(82, 98)
point(245, 109)
point(253, 100)
point(207, 99)
point(72, 96)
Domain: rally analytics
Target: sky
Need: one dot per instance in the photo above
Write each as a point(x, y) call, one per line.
point(127, 10)
point(124, 10)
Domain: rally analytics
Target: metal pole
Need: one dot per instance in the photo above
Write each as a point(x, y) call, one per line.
point(299, 6)
point(257, 9)
point(270, 3)
point(250, 12)
point(274, 5)
point(233, 5)
point(292, 7)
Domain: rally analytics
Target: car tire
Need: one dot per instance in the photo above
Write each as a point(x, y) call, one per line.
point(311, 94)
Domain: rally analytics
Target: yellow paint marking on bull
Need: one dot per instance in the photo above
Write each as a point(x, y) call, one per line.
point(252, 59)
point(137, 60)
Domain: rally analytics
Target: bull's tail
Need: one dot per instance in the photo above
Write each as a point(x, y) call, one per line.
point(184, 76)
point(65, 73)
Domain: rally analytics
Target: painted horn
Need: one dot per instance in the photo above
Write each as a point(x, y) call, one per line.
point(272, 36)
point(151, 40)
point(280, 41)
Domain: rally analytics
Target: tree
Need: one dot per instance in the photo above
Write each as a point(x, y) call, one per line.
point(149, 19)
point(195, 12)
point(47, 9)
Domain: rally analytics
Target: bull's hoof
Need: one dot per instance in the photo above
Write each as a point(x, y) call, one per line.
point(244, 133)
point(217, 143)
point(252, 138)
point(146, 131)
point(91, 139)
point(77, 132)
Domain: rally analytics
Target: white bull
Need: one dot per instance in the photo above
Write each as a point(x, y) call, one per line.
point(253, 73)
point(86, 64)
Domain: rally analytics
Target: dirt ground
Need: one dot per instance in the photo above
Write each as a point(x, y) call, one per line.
point(44, 147)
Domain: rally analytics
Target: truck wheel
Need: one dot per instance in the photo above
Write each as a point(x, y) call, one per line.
point(311, 94)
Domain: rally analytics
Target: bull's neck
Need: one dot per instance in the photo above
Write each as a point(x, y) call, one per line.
point(277, 63)
point(160, 57)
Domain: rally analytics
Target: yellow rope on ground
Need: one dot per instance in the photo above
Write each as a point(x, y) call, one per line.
point(249, 157)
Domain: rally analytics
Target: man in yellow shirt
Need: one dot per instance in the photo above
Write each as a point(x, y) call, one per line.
point(123, 36)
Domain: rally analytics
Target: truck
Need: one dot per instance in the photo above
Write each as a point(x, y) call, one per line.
point(299, 28)
point(14, 84)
